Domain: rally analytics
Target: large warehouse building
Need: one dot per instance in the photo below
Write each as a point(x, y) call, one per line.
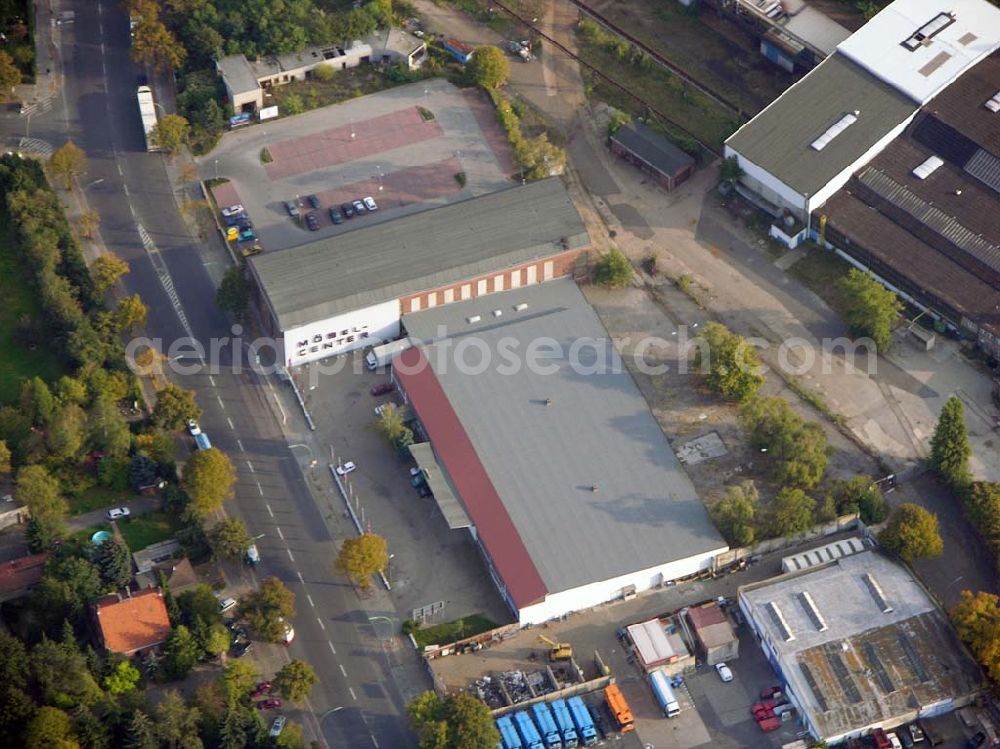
point(332, 296)
point(546, 450)
point(858, 644)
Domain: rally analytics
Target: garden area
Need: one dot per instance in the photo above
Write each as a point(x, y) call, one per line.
point(448, 632)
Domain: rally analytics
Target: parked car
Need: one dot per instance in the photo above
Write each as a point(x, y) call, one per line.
point(370, 203)
point(346, 468)
point(269, 704)
point(424, 491)
point(312, 222)
point(724, 672)
point(359, 207)
point(249, 250)
point(880, 739)
point(905, 737)
point(976, 741)
point(237, 631)
point(278, 726)
point(193, 427)
point(382, 388)
point(313, 201)
point(232, 210)
point(292, 208)
point(916, 733)
point(770, 693)
point(347, 209)
point(235, 219)
point(247, 235)
point(894, 740)
point(261, 689)
point(335, 216)
point(241, 648)
point(600, 721)
point(227, 604)
point(117, 513)
point(253, 555)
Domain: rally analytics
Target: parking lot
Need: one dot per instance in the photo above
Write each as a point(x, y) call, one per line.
point(404, 147)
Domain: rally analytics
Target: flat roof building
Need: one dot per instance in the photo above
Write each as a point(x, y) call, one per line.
point(713, 633)
point(573, 492)
point(331, 296)
point(858, 644)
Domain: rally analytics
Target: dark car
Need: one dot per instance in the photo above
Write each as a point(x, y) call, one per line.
point(976, 741)
point(312, 222)
point(424, 491)
point(599, 720)
point(241, 648)
point(235, 219)
point(313, 201)
point(272, 704)
point(292, 207)
point(347, 209)
point(382, 388)
point(359, 207)
point(335, 216)
point(261, 689)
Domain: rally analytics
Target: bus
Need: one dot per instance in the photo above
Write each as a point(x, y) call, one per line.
point(147, 110)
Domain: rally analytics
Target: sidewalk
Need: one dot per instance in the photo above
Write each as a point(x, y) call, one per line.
point(37, 97)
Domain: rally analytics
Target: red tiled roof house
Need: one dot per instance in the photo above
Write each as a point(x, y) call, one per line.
point(133, 624)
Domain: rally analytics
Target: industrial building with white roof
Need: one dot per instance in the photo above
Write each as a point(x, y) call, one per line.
point(570, 487)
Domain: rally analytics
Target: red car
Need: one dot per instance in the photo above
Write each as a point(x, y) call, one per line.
point(269, 704)
point(261, 689)
point(382, 388)
point(769, 724)
point(770, 693)
point(881, 740)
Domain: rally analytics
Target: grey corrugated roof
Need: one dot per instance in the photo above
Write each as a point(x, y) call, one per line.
point(652, 147)
point(238, 74)
point(421, 251)
point(778, 139)
point(543, 459)
point(440, 485)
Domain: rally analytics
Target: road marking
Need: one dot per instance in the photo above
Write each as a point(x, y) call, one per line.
point(280, 534)
point(239, 444)
point(290, 555)
point(351, 690)
point(309, 597)
point(332, 649)
point(269, 509)
point(120, 172)
point(375, 741)
point(250, 466)
point(230, 422)
point(302, 581)
point(323, 627)
point(212, 380)
point(343, 671)
point(221, 404)
point(125, 187)
point(260, 489)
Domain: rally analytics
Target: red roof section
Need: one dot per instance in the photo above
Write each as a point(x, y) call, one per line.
point(134, 623)
point(706, 615)
point(18, 574)
point(454, 449)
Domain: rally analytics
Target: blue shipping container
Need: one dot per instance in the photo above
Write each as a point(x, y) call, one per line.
point(547, 725)
point(526, 727)
point(584, 723)
point(510, 738)
point(565, 721)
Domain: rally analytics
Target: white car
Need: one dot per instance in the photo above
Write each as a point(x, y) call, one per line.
point(117, 513)
point(724, 673)
point(232, 210)
point(370, 203)
point(278, 726)
point(346, 468)
point(894, 740)
point(193, 428)
point(380, 409)
point(227, 604)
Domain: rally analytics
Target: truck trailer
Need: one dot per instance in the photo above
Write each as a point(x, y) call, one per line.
point(526, 727)
point(565, 722)
point(381, 356)
point(547, 725)
point(584, 724)
point(664, 693)
point(508, 735)
point(619, 708)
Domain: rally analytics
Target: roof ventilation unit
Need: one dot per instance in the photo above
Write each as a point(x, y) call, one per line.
point(520, 307)
point(993, 104)
point(812, 612)
point(927, 168)
point(497, 312)
point(876, 591)
point(474, 318)
point(779, 622)
point(834, 130)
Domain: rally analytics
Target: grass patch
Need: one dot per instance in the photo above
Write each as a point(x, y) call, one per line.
point(814, 399)
point(821, 271)
point(345, 85)
point(460, 178)
point(97, 498)
point(427, 114)
point(19, 300)
point(215, 182)
point(143, 530)
point(443, 634)
point(265, 156)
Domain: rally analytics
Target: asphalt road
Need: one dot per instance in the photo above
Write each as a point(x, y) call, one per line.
point(355, 703)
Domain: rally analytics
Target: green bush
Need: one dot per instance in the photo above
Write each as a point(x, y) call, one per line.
point(613, 270)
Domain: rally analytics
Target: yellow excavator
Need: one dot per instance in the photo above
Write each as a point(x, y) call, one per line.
point(561, 651)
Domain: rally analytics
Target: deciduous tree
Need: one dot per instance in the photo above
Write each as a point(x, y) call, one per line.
point(361, 557)
point(871, 308)
point(977, 620)
point(295, 680)
point(613, 269)
point(488, 67)
point(171, 133)
point(10, 76)
point(234, 292)
point(982, 504)
point(130, 313)
point(796, 449)
point(860, 495)
point(229, 538)
point(124, 678)
point(790, 512)
point(268, 609)
point(174, 406)
point(912, 533)
point(177, 725)
point(459, 721)
point(736, 514)
point(950, 450)
point(40, 492)
point(239, 678)
point(5, 455)
point(106, 270)
point(51, 728)
point(107, 430)
point(67, 433)
point(730, 364)
point(67, 163)
point(208, 479)
point(154, 46)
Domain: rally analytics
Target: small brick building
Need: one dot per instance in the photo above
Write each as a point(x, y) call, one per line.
point(652, 153)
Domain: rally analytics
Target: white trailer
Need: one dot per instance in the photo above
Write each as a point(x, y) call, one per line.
point(382, 355)
point(147, 110)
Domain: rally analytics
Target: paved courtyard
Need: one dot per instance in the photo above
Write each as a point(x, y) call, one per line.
point(379, 145)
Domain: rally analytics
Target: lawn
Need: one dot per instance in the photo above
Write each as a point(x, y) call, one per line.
point(97, 498)
point(19, 300)
point(314, 93)
point(443, 634)
point(143, 530)
point(821, 271)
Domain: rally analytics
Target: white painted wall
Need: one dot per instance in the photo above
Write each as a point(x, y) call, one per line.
point(767, 185)
point(369, 326)
point(588, 596)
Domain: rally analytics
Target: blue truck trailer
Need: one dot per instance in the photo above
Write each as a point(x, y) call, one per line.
point(507, 733)
point(547, 725)
point(526, 727)
point(565, 722)
point(584, 724)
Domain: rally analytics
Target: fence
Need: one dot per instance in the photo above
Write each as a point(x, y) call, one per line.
point(770, 545)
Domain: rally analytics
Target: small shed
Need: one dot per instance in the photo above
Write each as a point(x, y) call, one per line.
point(652, 153)
point(713, 634)
point(459, 50)
point(659, 645)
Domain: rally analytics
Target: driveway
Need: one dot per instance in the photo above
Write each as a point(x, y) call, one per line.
point(137, 506)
